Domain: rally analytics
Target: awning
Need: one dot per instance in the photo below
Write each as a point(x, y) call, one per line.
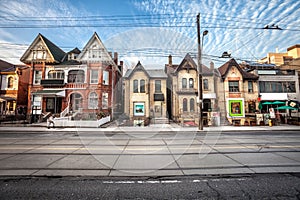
point(50, 93)
point(7, 98)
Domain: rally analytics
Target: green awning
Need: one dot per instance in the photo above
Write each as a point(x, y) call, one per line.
point(50, 93)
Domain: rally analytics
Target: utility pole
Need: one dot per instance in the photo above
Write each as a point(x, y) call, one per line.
point(200, 92)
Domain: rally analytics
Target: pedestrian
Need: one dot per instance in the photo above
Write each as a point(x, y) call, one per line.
point(50, 121)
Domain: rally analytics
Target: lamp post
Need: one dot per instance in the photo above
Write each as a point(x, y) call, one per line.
point(200, 91)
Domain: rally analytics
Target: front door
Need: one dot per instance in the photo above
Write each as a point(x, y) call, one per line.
point(157, 110)
point(53, 104)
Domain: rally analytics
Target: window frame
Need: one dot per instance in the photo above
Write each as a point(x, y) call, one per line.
point(56, 72)
point(76, 77)
point(105, 77)
point(93, 100)
point(142, 86)
point(191, 83)
point(10, 82)
point(37, 77)
point(235, 87)
point(205, 84)
point(250, 87)
point(184, 83)
point(157, 86)
point(135, 86)
point(192, 105)
point(94, 80)
point(184, 105)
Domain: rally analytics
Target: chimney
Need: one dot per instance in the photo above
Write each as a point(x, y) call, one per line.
point(121, 66)
point(277, 51)
point(170, 61)
point(211, 66)
point(116, 57)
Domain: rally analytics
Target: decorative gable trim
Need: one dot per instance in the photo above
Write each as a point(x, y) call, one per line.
point(187, 63)
point(54, 53)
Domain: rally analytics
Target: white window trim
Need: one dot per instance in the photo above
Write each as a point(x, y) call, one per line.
point(91, 75)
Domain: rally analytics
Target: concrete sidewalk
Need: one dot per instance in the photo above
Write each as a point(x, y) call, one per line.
point(172, 127)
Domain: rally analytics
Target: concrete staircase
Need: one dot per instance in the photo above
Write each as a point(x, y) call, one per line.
point(160, 120)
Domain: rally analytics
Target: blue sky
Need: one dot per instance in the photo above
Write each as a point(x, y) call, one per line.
point(150, 30)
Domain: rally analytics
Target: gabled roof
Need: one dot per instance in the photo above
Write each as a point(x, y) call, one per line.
point(6, 66)
point(151, 73)
point(188, 58)
point(75, 50)
point(55, 52)
point(157, 73)
point(138, 67)
point(90, 42)
point(224, 69)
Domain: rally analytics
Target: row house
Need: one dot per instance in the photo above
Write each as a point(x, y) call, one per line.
point(182, 88)
point(277, 87)
point(78, 83)
point(13, 90)
point(240, 90)
point(145, 96)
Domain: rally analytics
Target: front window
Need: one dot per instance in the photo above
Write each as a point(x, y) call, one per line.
point(94, 76)
point(93, 100)
point(142, 86)
point(37, 77)
point(192, 105)
point(205, 84)
point(184, 83)
point(56, 74)
point(184, 105)
point(105, 78)
point(233, 86)
point(104, 100)
point(191, 83)
point(250, 86)
point(158, 86)
point(277, 87)
point(76, 76)
point(10, 82)
point(135, 86)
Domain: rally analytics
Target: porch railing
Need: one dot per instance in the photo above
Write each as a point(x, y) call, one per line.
point(65, 111)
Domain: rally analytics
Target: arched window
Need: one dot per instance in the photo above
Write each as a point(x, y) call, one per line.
point(184, 105)
point(205, 84)
point(56, 74)
point(191, 83)
point(192, 105)
point(10, 82)
point(142, 86)
point(135, 86)
point(184, 83)
point(76, 76)
point(93, 100)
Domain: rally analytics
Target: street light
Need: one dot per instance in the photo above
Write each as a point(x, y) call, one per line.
point(200, 92)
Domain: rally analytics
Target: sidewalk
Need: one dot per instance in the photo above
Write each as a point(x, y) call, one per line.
point(172, 127)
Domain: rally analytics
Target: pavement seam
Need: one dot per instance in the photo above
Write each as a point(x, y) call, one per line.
point(125, 146)
point(173, 156)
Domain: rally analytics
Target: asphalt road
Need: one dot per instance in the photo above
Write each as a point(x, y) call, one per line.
point(262, 186)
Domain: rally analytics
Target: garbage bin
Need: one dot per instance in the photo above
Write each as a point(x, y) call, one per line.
point(270, 122)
